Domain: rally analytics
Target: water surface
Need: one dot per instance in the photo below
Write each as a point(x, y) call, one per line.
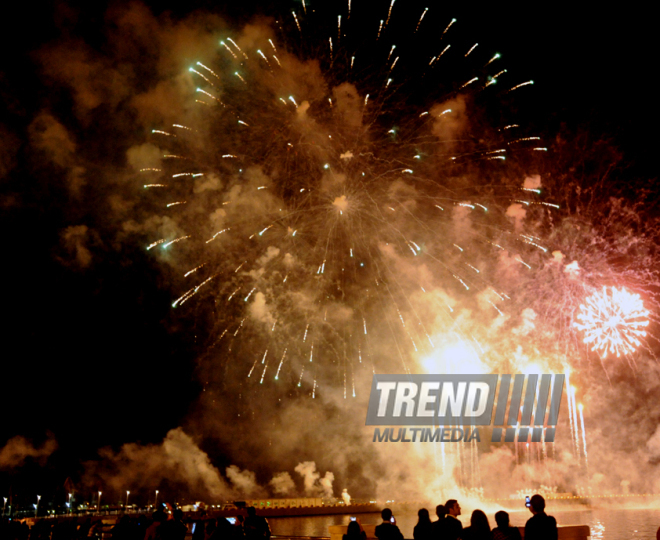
point(605, 523)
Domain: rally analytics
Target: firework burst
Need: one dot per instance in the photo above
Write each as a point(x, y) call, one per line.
point(324, 189)
point(613, 321)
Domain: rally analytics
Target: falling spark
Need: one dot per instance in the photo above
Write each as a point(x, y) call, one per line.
point(389, 13)
point(239, 49)
point(440, 55)
point(263, 374)
point(521, 85)
point(190, 293)
point(391, 51)
point(250, 294)
point(193, 270)
point(420, 19)
point(584, 434)
point(449, 26)
point(211, 72)
point(493, 59)
point(239, 327)
point(277, 375)
point(496, 308)
point(193, 70)
point(232, 295)
point(469, 82)
point(461, 282)
point(216, 235)
point(207, 94)
point(230, 51)
point(155, 244)
point(263, 56)
point(523, 262)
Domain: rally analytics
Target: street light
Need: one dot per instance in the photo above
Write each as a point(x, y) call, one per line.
point(69, 503)
point(4, 506)
point(99, 505)
point(36, 506)
point(155, 503)
point(127, 494)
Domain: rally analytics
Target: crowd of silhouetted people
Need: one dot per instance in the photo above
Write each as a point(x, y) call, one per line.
point(448, 527)
point(171, 526)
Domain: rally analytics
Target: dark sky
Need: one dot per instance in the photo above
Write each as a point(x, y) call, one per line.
point(98, 357)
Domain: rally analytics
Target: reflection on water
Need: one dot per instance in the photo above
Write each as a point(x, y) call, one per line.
point(605, 523)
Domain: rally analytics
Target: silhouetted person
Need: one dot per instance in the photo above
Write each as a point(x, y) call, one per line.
point(221, 530)
point(240, 526)
point(198, 529)
point(153, 531)
point(160, 511)
point(173, 529)
point(211, 527)
point(540, 526)
point(61, 530)
point(388, 530)
point(97, 529)
point(122, 529)
point(504, 531)
point(83, 530)
point(140, 524)
point(424, 528)
point(452, 527)
point(354, 532)
point(23, 531)
point(439, 523)
point(255, 527)
point(479, 528)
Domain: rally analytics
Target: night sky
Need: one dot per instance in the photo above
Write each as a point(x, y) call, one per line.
point(94, 356)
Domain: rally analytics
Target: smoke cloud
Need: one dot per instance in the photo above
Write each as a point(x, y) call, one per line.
point(18, 450)
point(315, 485)
point(437, 283)
point(282, 484)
